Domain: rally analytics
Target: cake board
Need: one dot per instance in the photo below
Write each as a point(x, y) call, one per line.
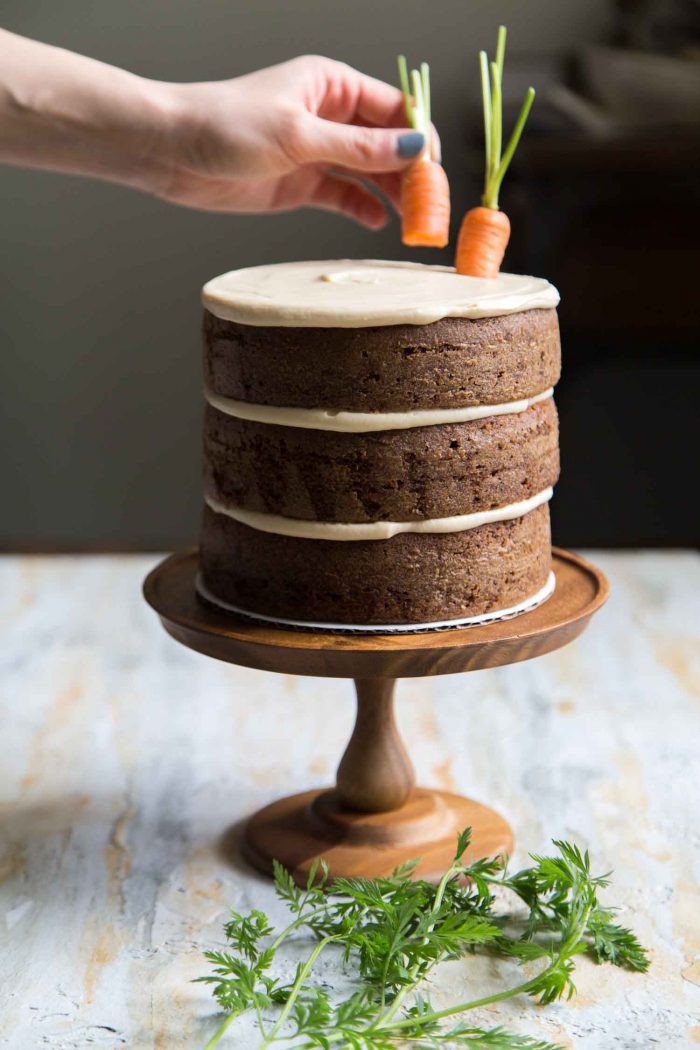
point(375, 818)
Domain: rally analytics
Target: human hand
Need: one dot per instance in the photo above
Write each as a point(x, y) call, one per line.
point(309, 132)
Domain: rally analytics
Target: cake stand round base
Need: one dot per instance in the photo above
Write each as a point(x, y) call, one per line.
point(314, 825)
point(375, 818)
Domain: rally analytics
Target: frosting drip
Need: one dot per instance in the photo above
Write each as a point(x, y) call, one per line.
point(364, 422)
point(351, 293)
point(374, 530)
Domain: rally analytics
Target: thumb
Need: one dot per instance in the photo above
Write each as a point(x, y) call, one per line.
point(357, 148)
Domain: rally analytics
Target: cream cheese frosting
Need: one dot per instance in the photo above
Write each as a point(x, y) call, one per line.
point(374, 530)
point(356, 293)
point(365, 422)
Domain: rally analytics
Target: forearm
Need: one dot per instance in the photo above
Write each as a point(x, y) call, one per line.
point(73, 114)
point(278, 139)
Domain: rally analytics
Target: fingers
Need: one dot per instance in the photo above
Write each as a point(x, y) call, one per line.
point(353, 97)
point(361, 149)
point(390, 185)
point(349, 197)
point(336, 91)
point(435, 145)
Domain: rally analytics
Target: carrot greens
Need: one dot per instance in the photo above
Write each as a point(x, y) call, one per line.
point(393, 931)
point(485, 230)
point(416, 96)
point(497, 159)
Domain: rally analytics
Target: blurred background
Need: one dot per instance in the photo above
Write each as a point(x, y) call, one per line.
point(100, 402)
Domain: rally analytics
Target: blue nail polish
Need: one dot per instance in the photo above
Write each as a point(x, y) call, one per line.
point(410, 144)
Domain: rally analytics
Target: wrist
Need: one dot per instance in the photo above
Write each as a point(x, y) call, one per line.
point(200, 130)
point(158, 139)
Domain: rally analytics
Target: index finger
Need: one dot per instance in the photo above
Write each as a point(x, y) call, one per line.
point(351, 96)
point(379, 103)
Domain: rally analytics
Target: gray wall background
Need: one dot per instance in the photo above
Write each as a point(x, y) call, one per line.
point(100, 401)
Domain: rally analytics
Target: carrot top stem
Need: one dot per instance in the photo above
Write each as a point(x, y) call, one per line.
point(425, 86)
point(486, 97)
point(501, 49)
point(418, 103)
point(496, 119)
point(497, 159)
point(405, 89)
point(514, 138)
point(416, 96)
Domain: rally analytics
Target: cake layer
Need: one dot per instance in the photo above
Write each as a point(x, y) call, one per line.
point(399, 475)
point(406, 579)
point(451, 363)
point(493, 616)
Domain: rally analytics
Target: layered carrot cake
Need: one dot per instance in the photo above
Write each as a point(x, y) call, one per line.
point(380, 443)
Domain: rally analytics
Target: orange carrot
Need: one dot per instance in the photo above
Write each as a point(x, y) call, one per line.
point(484, 234)
point(425, 191)
point(425, 205)
point(483, 238)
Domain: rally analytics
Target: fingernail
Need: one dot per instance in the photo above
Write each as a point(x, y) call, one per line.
point(410, 144)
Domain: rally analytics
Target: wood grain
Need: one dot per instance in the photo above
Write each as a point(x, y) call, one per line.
point(315, 825)
point(375, 774)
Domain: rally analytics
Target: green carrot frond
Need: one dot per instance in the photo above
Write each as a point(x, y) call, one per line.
point(486, 97)
point(394, 931)
point(418, 103)
point(515, 136)
point(498, 159)
point(415, 88)
point(405, 89)
point(496, 118)
point(425, 84)
point(501, 49)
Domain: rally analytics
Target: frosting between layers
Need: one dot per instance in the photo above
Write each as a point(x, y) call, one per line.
point(364, 422)
point(355, 293)
point(374, 530)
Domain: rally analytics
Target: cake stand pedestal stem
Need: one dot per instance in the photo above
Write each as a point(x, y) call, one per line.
point(375, 774)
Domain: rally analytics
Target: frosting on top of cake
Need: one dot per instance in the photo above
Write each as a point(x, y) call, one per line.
point(355, 293)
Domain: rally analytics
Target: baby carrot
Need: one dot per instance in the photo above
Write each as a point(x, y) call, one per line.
point(482, 241)
point(485, 231)
point(425, 191)
point(425, 204)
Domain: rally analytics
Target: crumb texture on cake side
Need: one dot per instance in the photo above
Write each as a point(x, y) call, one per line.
point(477, 484)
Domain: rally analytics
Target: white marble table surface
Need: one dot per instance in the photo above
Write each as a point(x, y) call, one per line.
point(126, 756)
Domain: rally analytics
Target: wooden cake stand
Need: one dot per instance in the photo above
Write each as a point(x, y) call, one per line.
point(375, 817)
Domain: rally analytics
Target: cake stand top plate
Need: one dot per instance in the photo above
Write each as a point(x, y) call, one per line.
point(580, 591)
